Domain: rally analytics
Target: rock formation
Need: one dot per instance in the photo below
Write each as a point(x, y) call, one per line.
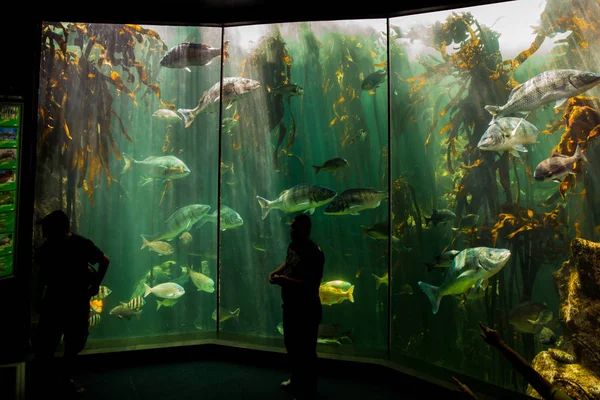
point(575, 367)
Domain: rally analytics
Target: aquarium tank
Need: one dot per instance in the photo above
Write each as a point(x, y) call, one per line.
point(447, 160)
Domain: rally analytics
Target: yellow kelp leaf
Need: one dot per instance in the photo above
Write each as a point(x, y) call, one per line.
point(502, 219)
point(382, 64)
point(475, 164)
point(371, 92)
point(155, 89)
point(562, 189)
point(91, 76)
point(521, 229)
point(530, 213)
point(373, 54)
point(578, 230)
point(446, 128)
point(333, 121)
point(66, 128)
point(341, 99)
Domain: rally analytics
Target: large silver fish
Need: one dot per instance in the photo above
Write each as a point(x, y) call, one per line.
point(470, 268)
point(230, 218)
point(180, 221)
point(353, 201)
point(233, 89)
point(299, 198)
point(187, 54)
point(556, 85)
point(508, 134)
point(164, 167)
point(558, 166)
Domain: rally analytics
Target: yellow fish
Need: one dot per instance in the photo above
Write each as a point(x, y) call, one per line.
point(379, 281)
point(330, 295)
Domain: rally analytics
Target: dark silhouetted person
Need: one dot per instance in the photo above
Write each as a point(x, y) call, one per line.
point(537, 381)
point(300, 278)
point(66, 283)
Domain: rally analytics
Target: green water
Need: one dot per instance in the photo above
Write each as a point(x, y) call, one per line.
point(274, 143)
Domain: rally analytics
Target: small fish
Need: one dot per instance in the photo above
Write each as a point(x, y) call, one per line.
point(558, 166)
point(405, 289)
point(439, 216)
point(547, 87)
point(287, 90)
point(299, 198)
point(225, 314)
point(228, 124)
point(353, 201)
point(258, 247)
point(467, 222)
point(136, 303)
point(379, 281)
point(159, 247)
point(166, 303)
point(94, 320)
point(123, 312)
point(188, 54)
point(103, 291)
point(529, 316)
point(470, 268)
point(372, 81)
point(96, 305)
point(328, 334)
point(443, 260)
point(234, 89)
point(508, 134)
point(378, 231)
point(547, 337)
point(201, 281)
point(544, 317)
point(398, 246)
point(330, 295)
point(333, 165)
point(168, 290)
point(166, 115)
point(185, 238)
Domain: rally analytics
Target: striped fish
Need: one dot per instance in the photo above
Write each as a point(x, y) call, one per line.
point(102, 293)
point(136, 303)
point(94, 320)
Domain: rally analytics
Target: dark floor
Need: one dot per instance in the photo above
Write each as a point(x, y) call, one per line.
point(217, 380)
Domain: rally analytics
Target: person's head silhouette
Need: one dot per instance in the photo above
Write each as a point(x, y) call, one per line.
point(55, 225)
point(300, 229)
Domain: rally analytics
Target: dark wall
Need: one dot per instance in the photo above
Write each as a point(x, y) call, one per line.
point(18, 77)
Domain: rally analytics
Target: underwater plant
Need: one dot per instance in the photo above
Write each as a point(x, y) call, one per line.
point(83, 68)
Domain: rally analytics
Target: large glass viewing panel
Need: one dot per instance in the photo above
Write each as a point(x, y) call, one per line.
point(115, 152)
point(466, 211)
point(312, 138)
point(491, 106)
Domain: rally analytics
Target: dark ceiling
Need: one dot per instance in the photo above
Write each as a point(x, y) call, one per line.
point(21, 39)
point(244, 11)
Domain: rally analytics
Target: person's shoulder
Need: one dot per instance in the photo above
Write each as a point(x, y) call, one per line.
point(316, 247)
point(77, 238)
